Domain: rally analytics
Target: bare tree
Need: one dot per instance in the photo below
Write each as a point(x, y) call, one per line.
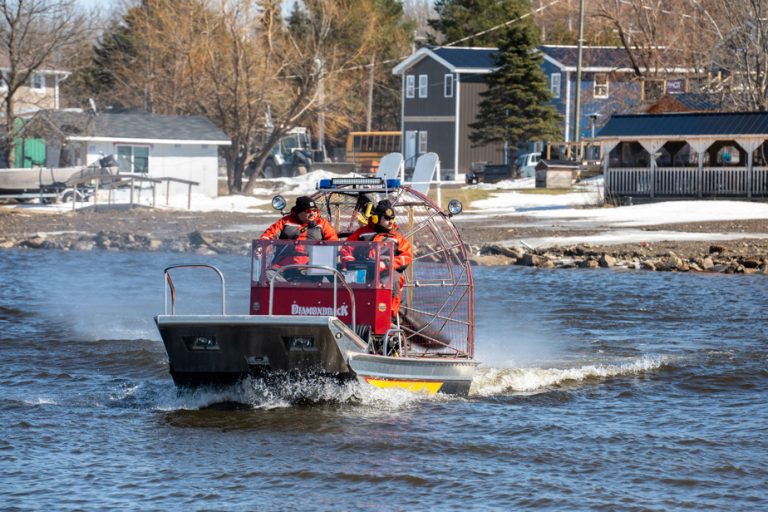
point(740, 49)
point(259, 78)
point(420, 12)
point(239, 63)
point(655, 33)
point(35, 35)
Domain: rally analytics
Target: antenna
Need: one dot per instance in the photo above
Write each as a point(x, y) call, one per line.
point(93, 105)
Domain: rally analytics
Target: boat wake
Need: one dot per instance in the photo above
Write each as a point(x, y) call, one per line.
point(504, 381)
point(255, 393)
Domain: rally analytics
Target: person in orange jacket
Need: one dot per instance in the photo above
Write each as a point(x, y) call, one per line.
point(303, 223)
point(382, 227)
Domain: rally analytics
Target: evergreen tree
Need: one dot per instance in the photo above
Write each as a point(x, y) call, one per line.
point(458, 19)
point(298, 20)
point(516, 107)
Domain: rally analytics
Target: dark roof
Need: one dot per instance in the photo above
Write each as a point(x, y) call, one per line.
point(57, 124)
point(685, 102)
point(152, 126)
point(480, 58)
point(605, 57)
point(63, 124)
point(680, 124)
point(699, 101)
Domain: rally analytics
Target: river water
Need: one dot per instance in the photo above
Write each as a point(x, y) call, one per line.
point(599, 390)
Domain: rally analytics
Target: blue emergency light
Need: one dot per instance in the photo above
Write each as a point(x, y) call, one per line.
point(333, 183)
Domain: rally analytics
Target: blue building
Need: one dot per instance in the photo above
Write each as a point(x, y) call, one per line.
point(441, 89)
point(609, 83)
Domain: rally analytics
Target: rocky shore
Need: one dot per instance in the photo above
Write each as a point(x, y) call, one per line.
point(716, 258)
point(231, 233)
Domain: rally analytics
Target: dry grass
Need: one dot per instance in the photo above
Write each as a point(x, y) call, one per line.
point(465, 195)
point(468, 195)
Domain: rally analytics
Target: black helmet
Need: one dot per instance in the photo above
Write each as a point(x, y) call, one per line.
point(304, 203)
point(384, 209)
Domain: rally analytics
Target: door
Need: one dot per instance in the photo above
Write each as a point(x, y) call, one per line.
point(410, 148)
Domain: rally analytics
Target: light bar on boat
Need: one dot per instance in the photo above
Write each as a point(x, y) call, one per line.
point(340, 182)
point(337, 182)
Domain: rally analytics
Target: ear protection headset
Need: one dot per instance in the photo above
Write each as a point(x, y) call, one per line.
point(375, 217)
point(362, 218)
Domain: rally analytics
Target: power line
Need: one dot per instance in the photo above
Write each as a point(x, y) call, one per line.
point(483, 32)
point(515, 20)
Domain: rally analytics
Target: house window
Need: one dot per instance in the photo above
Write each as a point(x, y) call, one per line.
point(38, 82)
point(133, 159)
point(600, 89)
point(448, 86)
point(410, 86)
point(653, 89)
point(422, 86)
point(422, 142)
point(554, 85)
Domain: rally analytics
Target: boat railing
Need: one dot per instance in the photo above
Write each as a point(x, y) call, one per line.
point(276, 271)
point(167, 279)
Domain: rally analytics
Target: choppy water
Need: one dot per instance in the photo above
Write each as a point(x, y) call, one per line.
point(600, 390)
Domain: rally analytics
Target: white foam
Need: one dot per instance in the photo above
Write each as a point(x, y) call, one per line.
point(40, 401)
point(503, 381)
point(259, 394)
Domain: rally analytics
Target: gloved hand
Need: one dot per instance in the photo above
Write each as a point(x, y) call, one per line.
point(382, 266)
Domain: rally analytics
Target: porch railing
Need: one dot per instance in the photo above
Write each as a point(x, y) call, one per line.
point(687, 182)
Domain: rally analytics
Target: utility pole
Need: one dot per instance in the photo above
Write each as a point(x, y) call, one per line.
point(577, 109)
point(370, 94)
point(321, 111)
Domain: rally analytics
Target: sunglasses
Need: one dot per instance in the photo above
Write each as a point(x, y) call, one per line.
point(388, 217)
point(311, 210)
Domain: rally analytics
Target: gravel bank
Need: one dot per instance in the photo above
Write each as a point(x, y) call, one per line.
point(219, 232)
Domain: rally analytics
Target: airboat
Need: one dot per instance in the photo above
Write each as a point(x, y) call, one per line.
point(323, 319)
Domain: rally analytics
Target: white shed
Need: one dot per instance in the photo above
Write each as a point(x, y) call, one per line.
point(184, 147)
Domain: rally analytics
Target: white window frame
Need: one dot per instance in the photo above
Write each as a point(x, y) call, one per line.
point(600, 90)
point(133, 154)
point(448, 85)
point(37, 82)
point(410, 86)
point(555, 83)
point(423, 86)
point(422, 142)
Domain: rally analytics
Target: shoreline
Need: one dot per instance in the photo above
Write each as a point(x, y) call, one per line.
point(211, 233)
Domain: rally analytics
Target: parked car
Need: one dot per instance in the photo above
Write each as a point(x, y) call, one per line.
point(525, 164)
point(484, 173)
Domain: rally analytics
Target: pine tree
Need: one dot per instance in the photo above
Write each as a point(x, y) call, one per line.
point(516, 106)
point(458, 19)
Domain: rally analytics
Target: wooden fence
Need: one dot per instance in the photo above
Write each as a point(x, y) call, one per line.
point(687, 182)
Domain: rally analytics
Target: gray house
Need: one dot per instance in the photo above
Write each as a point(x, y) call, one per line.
point(440, 98)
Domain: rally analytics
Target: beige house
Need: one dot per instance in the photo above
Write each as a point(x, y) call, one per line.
point(41, 92)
